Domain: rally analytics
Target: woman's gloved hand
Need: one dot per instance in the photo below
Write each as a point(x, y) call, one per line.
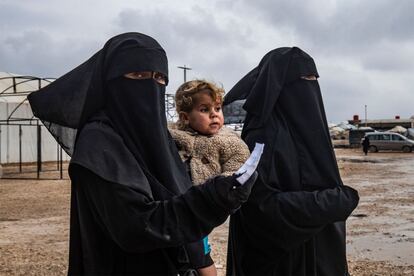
point(227, 191)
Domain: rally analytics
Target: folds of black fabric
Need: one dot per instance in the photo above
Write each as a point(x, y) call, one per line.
point(293, 222)
point(120, 230)
point(133, 205)
point(122, 224)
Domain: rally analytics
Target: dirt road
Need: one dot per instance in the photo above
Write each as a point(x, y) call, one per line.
point(34, 219)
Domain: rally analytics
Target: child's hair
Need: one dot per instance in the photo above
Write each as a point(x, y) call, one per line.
point(185, 97)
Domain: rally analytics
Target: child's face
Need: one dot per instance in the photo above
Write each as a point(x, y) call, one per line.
point(206, 117)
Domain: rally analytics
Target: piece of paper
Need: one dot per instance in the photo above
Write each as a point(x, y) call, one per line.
point(247, 169)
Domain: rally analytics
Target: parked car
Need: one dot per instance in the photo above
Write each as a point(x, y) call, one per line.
point(388, 141)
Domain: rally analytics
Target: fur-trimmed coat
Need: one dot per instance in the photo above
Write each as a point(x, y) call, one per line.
point(209, 156)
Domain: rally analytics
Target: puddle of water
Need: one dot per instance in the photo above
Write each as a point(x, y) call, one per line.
point(7, 219)
point(353, 159)
point(380, 247)
point(391, 238)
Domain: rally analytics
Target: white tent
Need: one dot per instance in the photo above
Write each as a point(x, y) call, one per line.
point(346, 126)
point(399, 129)
point(18, 127)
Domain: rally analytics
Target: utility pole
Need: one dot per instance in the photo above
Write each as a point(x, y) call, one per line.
point(185, 68)
point(366, 123)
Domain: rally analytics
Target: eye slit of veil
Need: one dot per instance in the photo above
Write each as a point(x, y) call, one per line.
point(309, 78)
point(157, 76)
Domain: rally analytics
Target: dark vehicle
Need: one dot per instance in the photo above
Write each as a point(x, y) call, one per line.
point(355, 136)
point(234, 113)
point(389, 141)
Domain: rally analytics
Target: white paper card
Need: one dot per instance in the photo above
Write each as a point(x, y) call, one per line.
point(250, 165)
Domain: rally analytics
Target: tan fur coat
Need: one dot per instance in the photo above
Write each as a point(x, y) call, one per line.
point(209, 156)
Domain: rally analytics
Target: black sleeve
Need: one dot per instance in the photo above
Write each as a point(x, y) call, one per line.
point(197, 256)
point(287, 219)
point(138, 224)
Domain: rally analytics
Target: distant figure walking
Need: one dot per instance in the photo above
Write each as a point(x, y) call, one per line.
point(365, 145)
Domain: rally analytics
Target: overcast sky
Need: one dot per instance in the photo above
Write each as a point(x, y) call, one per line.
point(364, 50)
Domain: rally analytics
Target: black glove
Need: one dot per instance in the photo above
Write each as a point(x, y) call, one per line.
point(227, 191)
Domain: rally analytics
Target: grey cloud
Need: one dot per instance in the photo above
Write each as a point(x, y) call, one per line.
point(37, 53)
point(389, 58)
point(198, 39)
point(372, 37)
point(14, 17)
point(182, 32)
point(354, 42)
point(345, 26)
point(344, 92)
point(226, 68)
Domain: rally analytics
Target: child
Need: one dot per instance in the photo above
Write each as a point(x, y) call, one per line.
point(205, 146)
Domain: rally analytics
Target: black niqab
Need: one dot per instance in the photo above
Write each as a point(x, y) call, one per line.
point(276, 93)
point(293, 221)
point(96, 91)
point(137, 111)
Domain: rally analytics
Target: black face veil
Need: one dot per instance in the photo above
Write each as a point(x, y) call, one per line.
point(286, 112)
point(96, 91)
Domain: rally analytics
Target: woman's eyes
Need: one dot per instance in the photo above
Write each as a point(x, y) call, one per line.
point(142, 75)
point(160, 78)
point(309, 78)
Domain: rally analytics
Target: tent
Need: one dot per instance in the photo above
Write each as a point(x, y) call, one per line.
point(21, 135)
point(399, 129)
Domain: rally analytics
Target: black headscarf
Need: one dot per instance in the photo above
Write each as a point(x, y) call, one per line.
point(286, 112)
point(131, 113)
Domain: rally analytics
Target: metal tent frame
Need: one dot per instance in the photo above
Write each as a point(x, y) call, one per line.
point(16, 89)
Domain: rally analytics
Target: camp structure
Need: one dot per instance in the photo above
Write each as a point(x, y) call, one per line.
point(385, 124)
point(27, 149)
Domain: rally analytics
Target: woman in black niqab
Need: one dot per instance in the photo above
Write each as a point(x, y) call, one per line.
point(133, 207)
point(293, 222)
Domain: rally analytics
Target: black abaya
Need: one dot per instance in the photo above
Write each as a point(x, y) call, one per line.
point(133, 207)
point(294, 220)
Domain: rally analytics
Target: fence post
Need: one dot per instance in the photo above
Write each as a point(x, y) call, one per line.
point(57, 156)
point(0, 142)
point(61, 162)
point(39, 149)
point(20, 148)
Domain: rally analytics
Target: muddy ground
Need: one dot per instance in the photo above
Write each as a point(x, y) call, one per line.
point(34, 217)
